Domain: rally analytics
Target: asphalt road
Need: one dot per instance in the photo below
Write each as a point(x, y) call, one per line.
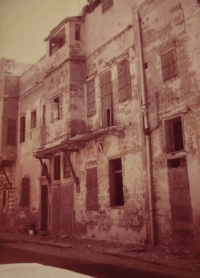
point(102, 267)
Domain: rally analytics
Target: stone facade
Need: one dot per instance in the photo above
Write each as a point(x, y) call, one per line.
point(108, 126)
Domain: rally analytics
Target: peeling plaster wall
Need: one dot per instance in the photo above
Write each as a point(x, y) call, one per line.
point(167, 24)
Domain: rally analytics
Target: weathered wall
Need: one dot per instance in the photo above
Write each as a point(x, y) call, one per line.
point(106, 45)
point(165, 25)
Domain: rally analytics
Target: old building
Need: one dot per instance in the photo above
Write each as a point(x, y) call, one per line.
point(108, 126)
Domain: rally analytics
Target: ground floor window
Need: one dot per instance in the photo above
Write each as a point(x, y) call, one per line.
point(116, 183)
point(92, 189)
point(25, 193)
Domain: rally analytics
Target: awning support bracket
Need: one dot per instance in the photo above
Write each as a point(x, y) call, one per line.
point(44, 170)
point(6, 176)
point(76, 179)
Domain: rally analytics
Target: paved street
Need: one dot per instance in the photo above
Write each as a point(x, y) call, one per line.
point(101, 266)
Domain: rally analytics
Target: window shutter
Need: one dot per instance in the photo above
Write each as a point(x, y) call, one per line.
point(52, 111)
point(61, 107)
point(168, 136)
point(25, 198)
point(11, 132)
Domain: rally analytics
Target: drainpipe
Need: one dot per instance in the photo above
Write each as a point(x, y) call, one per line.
point(146, 132)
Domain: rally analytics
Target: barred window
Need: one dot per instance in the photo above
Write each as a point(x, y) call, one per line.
point(91, 101)
point(124, 80)
point(106, 4)
point(169, 65)
point(11, 132)
point(106, 99)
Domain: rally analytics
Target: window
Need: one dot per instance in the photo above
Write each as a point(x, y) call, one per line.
point(169, 65)
point(174, 135)
point(4, 198)
point(33, 119)
point(106, 4)
point(43, 115)
point(77, 32)
point(22, 129)
point(92, 189)
point(57, 167)
point(56, 42)
point(90, 87)
point(116, 183)
point(66, 168)
point(106, 99)
point(25, 193)
point(44, 170)
point(124, 80)
point(11, 132)
point(56, 109)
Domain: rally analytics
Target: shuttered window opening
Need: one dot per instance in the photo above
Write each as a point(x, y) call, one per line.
point(106, 4)
point(92, 189)
point(22, 129)
point(11, 132)
point(124, 80)
point(25, 193)
point(169, 65)
point(33, 119)
point(66, 168)
point(56, 109)
point(91, 101)
point(106, 99)
point(57, 167)
point(43, 115)
point(174, 135)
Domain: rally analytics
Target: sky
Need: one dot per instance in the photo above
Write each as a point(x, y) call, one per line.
point(24, 24)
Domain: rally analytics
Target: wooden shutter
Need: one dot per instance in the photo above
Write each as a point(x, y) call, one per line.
point(25, 197)
point(168, 136)
point(60, 107)
point(106, 99)
point(22, 129)
point(52, 111)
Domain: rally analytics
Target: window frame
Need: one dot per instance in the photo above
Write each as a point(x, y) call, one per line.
point(33, 119)
point(169, 64)
point(116, 199)
point(11, 132)
point(77, 29)
point(124, 80)
point(171, 138)
point(57, 107)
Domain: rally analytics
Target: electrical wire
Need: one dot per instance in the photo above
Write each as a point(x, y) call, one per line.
point(8, 11)
point(24, 22)
point(14, 20)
